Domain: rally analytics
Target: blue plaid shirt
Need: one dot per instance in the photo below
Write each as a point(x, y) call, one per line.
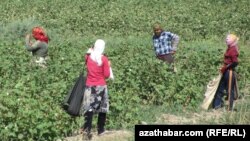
point(163, 43)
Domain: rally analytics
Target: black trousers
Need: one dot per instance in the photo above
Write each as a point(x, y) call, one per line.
point(227, 83)
point(88, 117)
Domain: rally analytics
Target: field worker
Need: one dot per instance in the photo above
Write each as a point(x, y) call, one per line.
point(39, 48)
point(228, 81)
point(96, 93)
point(165, 45)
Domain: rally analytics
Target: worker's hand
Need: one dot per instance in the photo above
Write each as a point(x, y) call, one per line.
point(173, 52)
point(27, 36)
point(223, 69)
point(90, 50)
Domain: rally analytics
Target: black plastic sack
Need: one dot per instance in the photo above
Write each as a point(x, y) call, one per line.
point(73, 101)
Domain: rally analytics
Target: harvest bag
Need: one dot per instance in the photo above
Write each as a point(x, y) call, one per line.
point(212, 87)
point(73, 101)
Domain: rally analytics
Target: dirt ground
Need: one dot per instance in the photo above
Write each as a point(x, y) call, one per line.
point(110, 136)
point(203, 117)
point(120, 135)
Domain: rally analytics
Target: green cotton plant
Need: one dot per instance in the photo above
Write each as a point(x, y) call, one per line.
point(18, 29)
point(124, 108)
point(119, 18)
point(140, 79)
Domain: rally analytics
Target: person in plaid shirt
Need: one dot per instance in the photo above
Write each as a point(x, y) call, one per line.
point(165, 45)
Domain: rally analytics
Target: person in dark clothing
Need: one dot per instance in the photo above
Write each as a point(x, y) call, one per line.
point(228, 80)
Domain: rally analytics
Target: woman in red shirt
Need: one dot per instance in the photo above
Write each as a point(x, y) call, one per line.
point(96, 92)
point(228, 81)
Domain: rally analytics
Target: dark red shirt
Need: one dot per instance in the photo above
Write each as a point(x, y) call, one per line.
point(96, 75)
point(231, 55)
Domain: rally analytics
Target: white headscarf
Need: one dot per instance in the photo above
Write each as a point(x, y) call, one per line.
point(96, 53)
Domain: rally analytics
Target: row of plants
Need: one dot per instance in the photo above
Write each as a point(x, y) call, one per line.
point(190, 19)
point(31, 97)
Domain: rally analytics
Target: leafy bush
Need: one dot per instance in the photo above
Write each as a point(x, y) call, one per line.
point(201, 19)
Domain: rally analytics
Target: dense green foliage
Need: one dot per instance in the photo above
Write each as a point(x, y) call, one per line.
point(30, 97)
point(190, 19)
